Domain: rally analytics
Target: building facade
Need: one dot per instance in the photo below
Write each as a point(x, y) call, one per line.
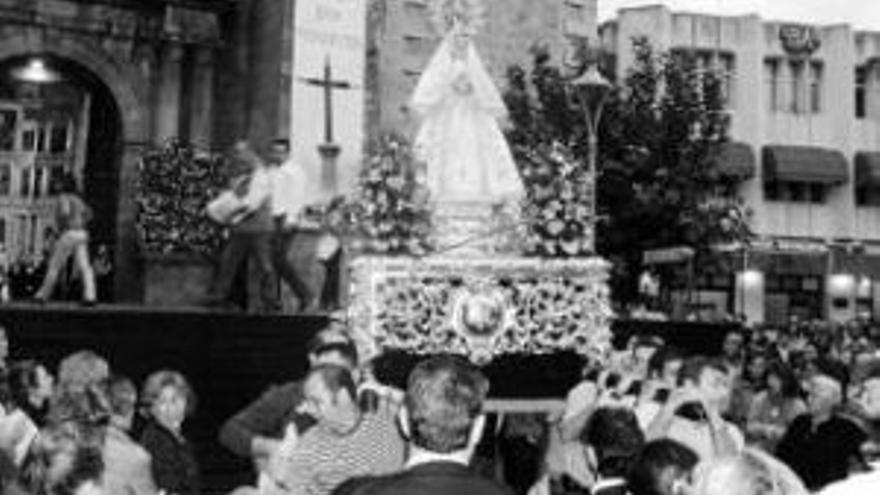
point(125, 74)
point(804, 102)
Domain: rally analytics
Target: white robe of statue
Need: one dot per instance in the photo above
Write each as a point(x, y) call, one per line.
point(459, 139)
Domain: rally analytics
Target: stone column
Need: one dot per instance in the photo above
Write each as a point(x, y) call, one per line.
point(168, 101)
point(201, 107)
point(128, 285)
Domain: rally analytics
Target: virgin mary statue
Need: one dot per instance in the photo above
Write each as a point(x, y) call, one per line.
point(459, 139)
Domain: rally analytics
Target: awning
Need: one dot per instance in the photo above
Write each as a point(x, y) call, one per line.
point(867, 169)
point(663, 256)
point(736, 160)
point(804, 164)
point(787, 263)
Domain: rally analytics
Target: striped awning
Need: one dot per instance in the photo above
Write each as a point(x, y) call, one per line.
point(804, 164)
point(868, 169)
point(736, 160)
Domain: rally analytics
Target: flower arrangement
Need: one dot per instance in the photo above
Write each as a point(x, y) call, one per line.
point(389, 211)
point(558, 204)
point(176, 181)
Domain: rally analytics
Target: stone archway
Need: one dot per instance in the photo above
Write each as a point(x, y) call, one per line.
point(122, 80)
point(128, 87)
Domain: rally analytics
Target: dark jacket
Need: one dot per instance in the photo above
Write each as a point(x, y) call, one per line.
point(175, 468)
point(433, 478)
point(822, 454)
point(268, 416)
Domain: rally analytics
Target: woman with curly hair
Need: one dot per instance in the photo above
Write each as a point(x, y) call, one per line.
point(168, 400)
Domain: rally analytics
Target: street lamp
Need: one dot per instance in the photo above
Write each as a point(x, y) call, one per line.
point(591, 90)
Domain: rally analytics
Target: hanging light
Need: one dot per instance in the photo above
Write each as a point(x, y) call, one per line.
point(35, 71)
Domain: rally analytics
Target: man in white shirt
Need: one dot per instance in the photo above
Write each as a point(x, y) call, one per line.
point(692, 414)
point(289, 197)
point(250, 234)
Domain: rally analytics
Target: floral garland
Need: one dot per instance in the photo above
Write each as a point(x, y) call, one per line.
point(559, 198)
point(175, 183)
point(389, 212)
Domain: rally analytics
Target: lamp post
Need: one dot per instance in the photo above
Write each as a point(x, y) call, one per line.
point(591, 91)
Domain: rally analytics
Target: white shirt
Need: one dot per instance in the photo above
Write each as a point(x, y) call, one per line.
point(290, 192)
point(579, 399)
point(698, 436)
point(858, 484)
point(418, 457)
point(259, 189)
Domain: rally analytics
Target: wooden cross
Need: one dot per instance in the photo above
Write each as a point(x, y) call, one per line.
point(328, 84)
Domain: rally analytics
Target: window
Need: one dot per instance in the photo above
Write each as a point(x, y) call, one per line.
point(794, 85)
point(804, 294)
point(59, 139)
point(771, 73)
point(720, 64)
point(867, 196)
point(727, 66)
point(25, 184)
point(772, 191)
point(29, 140)
point(816, 70)
point(795, 192)
point(795, 89)
point(861, 81)
point(816, 193)
point(39, 177)
point(32, 233)
point(41, 139)
point(5, 179)
point(8, 126)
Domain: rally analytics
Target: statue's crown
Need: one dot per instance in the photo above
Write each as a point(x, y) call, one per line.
point(468, 15)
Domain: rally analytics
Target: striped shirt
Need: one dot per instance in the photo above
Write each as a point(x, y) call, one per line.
point(323, 459)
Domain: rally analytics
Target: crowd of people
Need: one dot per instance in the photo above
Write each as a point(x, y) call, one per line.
point(802, 400)
point(87, 430)
point(780, 411)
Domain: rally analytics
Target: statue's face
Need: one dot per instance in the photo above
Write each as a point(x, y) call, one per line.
point(460, 43)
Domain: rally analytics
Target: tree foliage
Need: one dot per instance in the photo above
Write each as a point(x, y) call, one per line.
point(659, 139)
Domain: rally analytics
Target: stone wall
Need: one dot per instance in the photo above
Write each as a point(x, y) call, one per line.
point(253, 84)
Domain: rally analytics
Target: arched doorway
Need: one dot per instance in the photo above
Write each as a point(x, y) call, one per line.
point(68, 123)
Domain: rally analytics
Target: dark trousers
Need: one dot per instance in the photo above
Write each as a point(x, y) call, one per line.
point(281, 242)
point(241, 246)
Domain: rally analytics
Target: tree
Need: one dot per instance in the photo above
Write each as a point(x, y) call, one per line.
point(659, 139)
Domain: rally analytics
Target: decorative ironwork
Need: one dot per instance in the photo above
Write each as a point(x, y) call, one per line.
point(480, 307)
